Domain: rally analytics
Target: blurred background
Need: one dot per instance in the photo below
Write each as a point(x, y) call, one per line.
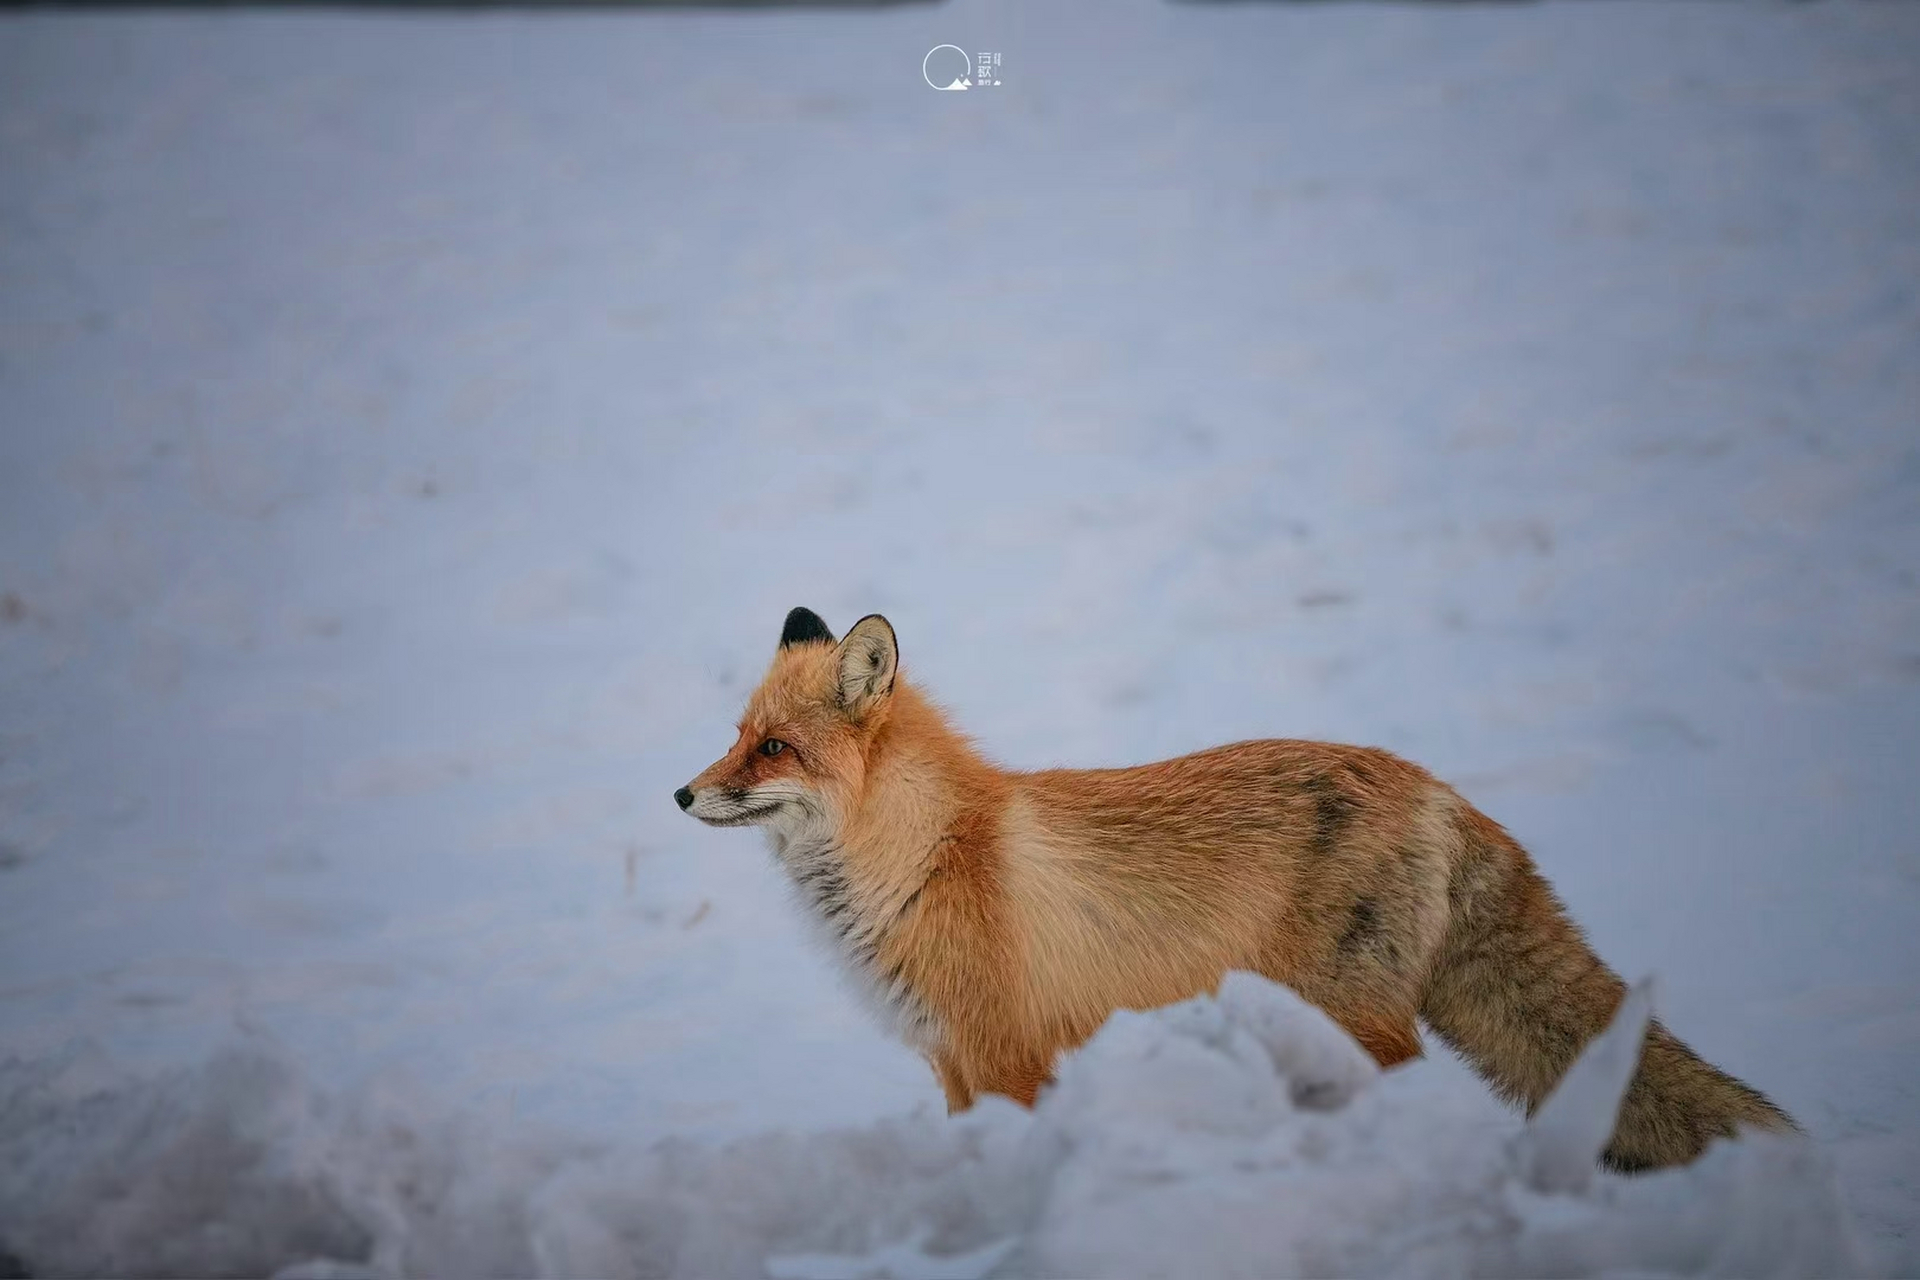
point(415, 424)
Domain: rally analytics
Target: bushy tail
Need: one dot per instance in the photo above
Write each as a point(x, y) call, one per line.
point(1517, 990)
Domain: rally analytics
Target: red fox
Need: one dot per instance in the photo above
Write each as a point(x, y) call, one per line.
point(997, 918)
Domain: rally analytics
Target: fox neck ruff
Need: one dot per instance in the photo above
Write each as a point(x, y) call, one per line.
point(877, 872)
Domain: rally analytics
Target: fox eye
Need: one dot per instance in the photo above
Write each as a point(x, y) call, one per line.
point(772, 747)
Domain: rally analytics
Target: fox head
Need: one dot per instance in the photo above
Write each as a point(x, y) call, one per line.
point(800, 760)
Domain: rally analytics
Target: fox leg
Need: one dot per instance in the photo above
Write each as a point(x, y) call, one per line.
point(1386, 1028)
point(1020, 1081)
point(959, 1097)
point(1391, 1041)
point(1019, 1078)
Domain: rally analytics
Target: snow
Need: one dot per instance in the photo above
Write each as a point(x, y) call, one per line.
point(1239, 1136)
point(1576, 1119)
point(414, 427)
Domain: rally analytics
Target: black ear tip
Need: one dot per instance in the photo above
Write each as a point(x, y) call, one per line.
point(804, 627)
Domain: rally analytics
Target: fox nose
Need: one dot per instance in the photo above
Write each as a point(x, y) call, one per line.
point(684, 797)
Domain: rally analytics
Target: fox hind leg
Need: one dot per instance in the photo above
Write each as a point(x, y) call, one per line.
point(1391, 1040)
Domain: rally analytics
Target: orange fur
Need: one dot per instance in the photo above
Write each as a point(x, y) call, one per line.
point(998, 917)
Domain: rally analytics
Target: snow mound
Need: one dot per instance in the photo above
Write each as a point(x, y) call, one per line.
point(1243, 1134)
point(1573, 1124)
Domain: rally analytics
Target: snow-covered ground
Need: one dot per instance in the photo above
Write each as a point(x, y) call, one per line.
point(414, 427)
point(1243, 1137)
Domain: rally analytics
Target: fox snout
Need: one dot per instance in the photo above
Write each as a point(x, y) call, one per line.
point(708, 803)
point(727, 806)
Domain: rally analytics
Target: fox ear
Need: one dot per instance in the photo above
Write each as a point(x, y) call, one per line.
point(869, 659)
point(804, 627)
